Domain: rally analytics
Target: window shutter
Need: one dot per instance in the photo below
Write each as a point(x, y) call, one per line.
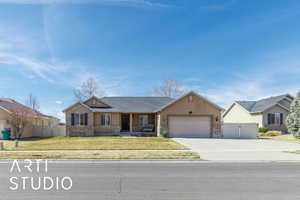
point(269, 118)
point(102, 120)
point(72, 119)
point(109, 119)
point(281, 118)
point(141, 120)
point(86, 119)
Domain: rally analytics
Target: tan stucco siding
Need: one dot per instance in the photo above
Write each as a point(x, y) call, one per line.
point(275, 109)
point(114, 127)
point(79, 130)
point(3, 115)
point(237, 114)
point(198, 107)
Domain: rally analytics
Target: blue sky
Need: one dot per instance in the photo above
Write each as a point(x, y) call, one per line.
point(224, 49)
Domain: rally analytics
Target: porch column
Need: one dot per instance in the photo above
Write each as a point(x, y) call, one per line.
point(130, 123)
point(158, 125)
point(91, 124)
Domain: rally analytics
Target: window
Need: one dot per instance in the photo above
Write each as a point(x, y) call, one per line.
point(275, 118)
point(82, 118)
point(190, 98)
point(105, 119)
point(271, 118)
point(143, 120)
point(79, 119)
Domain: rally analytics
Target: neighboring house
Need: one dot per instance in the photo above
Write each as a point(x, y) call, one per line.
point(268, 113)
point(41, 126)
point(189, 116)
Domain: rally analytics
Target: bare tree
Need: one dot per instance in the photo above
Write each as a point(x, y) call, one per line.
point(170, 87)
point(33, 102)
point(87, 89)
point(19, 119)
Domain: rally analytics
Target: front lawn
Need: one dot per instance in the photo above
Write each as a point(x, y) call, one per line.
point(100, 155)
point(95, 143)
point(285, 138)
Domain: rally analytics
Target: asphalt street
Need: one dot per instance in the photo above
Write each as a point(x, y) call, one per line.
point(157, 180)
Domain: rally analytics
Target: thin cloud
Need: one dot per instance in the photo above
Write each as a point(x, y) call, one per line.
point(277, 73)
point(109, 85)
point(58, 102)
point(256, 87)
point(110, 2)
point(219, 6)
point(41, 69)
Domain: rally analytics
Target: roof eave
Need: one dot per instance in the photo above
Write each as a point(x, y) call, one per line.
point(65, 110)
point(1, 107)
point(260, 112)
point(96, 111)
point(276, 104)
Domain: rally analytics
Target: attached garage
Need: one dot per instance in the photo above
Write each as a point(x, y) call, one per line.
point(190, 126)
point(190, 116)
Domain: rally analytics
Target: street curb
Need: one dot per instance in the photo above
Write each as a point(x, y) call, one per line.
point(121, 150)
point(143, 161)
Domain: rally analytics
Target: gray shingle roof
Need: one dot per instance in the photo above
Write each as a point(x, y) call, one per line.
point(263, 104)
point(133, 104)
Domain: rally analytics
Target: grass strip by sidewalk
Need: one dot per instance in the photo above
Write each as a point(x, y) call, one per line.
point(99, 155)
point(284, 138)
point(295, 152)
point(95, 143)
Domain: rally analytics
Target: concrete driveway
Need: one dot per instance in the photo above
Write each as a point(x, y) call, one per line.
point(241, 150)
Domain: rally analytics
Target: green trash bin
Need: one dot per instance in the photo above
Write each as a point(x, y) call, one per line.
point(6, 134)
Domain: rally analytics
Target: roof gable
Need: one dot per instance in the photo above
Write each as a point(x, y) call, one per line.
point(95, 102)
point(189, 93)
point(278, 105)
point(263, 104)
point(75, 104)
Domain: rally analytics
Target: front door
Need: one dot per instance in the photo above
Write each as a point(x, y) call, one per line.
point(125, 120)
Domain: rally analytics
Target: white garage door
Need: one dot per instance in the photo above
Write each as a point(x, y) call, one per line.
point(239, 131)
point(187, 126)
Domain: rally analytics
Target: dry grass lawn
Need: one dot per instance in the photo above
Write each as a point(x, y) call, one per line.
point(95, 143)
point(296, 152)
point(285, 138)
point(99, 155)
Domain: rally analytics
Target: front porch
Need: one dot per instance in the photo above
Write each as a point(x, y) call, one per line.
point(138, 122)
point(125, 124)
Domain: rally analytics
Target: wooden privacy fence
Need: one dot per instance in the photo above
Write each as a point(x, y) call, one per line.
point(54, 131)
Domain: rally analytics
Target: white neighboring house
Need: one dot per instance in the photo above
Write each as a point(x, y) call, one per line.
point(268, 113)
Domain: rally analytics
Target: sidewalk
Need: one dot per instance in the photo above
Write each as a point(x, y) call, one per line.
point(259, 156)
